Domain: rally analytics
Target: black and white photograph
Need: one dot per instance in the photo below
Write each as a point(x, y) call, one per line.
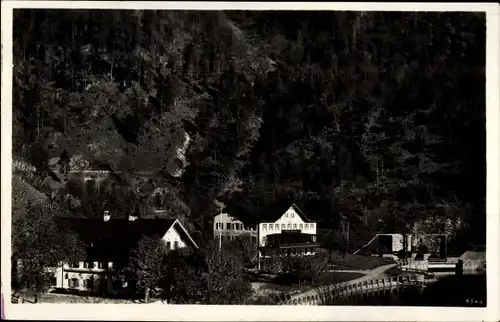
point(248, 157)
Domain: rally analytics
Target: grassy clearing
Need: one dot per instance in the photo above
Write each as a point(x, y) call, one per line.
point(358, 262)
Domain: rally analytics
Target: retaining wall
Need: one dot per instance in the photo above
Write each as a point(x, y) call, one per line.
point(319, 296)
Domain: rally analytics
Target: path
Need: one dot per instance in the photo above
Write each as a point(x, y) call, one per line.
point(370, 274)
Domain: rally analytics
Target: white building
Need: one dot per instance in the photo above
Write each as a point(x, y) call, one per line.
point(227, 227)
point(109, 243)
point(293, 219)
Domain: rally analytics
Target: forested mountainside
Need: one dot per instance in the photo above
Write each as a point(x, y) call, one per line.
point(374, 117)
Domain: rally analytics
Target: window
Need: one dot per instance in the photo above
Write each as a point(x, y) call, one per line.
point(289, 226)
point(99, 265)
point(292, 214)
point(237, 226)
point(89, 283)
point(74, 283)
point(228, 226)
point(176, 244)
point(53, 281)
point(270, 226)
point(283, 226)
point(264, 226)
point(66, 276)
point(306, 226)
point(301, 226)
point(312, 226)
point(277, 226)
point(169, 246)
point(286, 214)
point(294, 226)
point(75, 264)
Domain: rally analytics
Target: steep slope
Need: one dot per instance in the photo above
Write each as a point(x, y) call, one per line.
point(371, 118)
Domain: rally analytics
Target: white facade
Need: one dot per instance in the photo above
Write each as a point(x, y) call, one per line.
point(82, 276)
point(173, 239)
point(227, 225)
point(290, 220)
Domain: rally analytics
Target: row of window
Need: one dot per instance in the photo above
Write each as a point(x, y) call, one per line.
point(289, 226)
point(231, 226)
point(75, 283)
point(99, 265)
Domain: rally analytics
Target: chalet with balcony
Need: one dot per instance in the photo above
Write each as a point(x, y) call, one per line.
point(281, 230)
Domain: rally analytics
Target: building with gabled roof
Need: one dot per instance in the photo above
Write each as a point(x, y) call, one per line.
point(282, 228)
point(281, 219)
point(109, 243)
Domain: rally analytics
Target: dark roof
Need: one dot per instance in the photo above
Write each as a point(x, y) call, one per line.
point(117, 229)
point(251, 215)
point(116, 237)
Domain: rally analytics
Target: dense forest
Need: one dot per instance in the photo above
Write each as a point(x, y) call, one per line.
point(371, 118)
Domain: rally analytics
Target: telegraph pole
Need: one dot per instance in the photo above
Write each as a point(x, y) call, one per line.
point(220, 232)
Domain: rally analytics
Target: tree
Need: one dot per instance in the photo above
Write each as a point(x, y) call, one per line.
point(222, 278)
point(243, 247)
point(40, 243)
point(147, 264)
point(262, 105)
point(209, 276)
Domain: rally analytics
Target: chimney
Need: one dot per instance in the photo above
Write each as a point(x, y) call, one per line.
point(132, 218)
point(107, 216)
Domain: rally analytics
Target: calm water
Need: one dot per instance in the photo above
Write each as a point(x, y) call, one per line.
point(447, 291)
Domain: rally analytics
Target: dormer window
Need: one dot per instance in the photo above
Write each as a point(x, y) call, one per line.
point(264, 226)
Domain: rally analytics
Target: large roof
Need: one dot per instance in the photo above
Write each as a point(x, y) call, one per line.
point(117, 229)
point(116, 237)
point(250, 215)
